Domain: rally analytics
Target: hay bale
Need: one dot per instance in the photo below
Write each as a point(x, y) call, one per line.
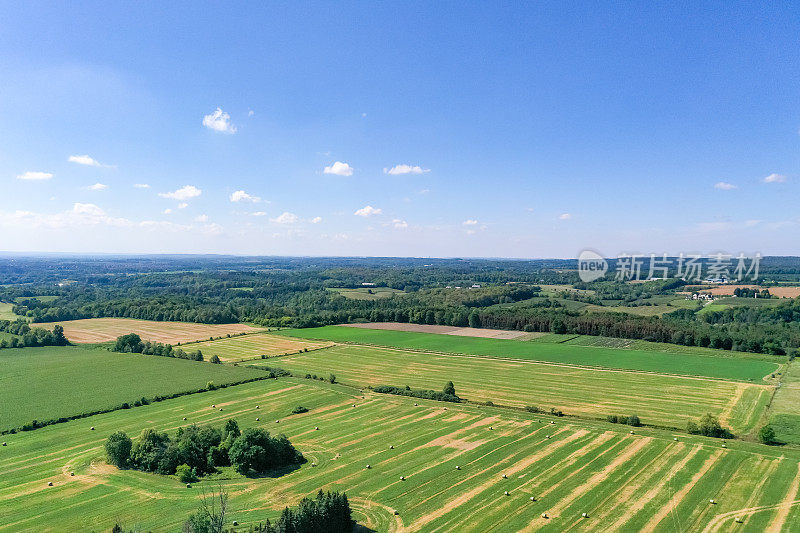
point(505, 476)
point(316, 428)
point(533, 499)
point(72, 474)
point(552, 421)
point(723, 445)
point(491, 427)
point(49, 483)
point(458, 467)
point(235, 523)
point(184, 418)
point(258, 419)
point(585, 515)
point(188, 485)
point(396, 512)
point(220, 408)
point(547, 436)
point(368, 467)
point(257, 407)
point(506, 493)
point(544, 515)
point(675, 438)
point(91, 428)
point(4, 444)
point(354, 405)
point(631, 432)
point(712, 501)
point(402, 478)
point(313, 464)
point(739, 519)
point(213, 406)
point(391, 446)
point(416, 404)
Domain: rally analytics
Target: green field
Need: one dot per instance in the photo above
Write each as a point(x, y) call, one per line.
point(624, 482)
point(367, 293)
point(738, 368)
point(662, 400)
point(53, 382)
point(6, 313)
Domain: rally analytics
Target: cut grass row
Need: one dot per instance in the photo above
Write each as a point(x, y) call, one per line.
point(623, 482)
point(53, 382)
point(663, 400)
point(738, 368)
point(254, 346)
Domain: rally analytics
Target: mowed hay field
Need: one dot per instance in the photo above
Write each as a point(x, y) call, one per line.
point(245, 347)
point(663, 400)
point(623, 482)
point(732, 366)
point(108, 329)
point(53, 382)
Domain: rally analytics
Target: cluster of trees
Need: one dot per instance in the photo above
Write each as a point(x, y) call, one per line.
point(448, 394)
point(25, 336)
point(328, 511)
point(746, 292)
point(631, 420)
point(199, 450)
point(132, 343)
point(709, 426)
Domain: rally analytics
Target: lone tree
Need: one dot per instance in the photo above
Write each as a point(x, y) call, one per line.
point(118, 449)
point(449, 388)
point(767, 435)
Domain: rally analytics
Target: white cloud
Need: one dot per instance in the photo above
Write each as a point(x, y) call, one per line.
point(84, 160)
point(399, 224)
point(405, 169)
point(87, 209)
point(35, 176)
point(368, 211)
point(470, 222)
point(259, 214)
point(219, 121)
point(316, 220)
point(724, 186)
point(285, 218)
point(184, 193)
point(250, 112)
point(774, 178)
point(201, 218)
point(97, 187)
point(183, 205)
point(141, 185)
point(167, 211)
point(339, 168)
point(564, 216)
point(363, 114)
point(241, 196)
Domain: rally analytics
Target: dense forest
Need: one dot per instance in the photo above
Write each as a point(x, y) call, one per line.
point(303, 292)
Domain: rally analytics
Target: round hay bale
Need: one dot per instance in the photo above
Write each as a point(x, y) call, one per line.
point(416, 404)
point(631, 432)
point(235, 523)
point(675, 438)
point(277, 421)
point(584, 515)
point(4, 444)
point(533, 499)
point(396, 512)
point(316, 428)
point(445, 408)
point(257, 407)
point(723, 445)
point(544, 515)
point(547, 436)
point(491, 427)
point(506, 493)
point(220, 408)
point(354, 405)
point(368, 467)
point(92, 428)
point(505, 476)
point(402, 478)
point(213, 406)
point(458, 467)
point(72, 474)
point(313, 464)
point(188, 485)
point(739, 519)
point(552, 421)
point(391, 446)
point(258, 419)
point(712, 501)
point(49, 483)
point(184, 418)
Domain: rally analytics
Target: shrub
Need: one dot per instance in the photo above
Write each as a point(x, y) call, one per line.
point(613, 419)
point(186, 473)
point(256, 451)
point(532, 409)
point(210, 386)
point(332, 378)
point(633, 420)
point(449, 388)
point(214, 359)
point(767, 435)
point(118, 449)
point(299, 409)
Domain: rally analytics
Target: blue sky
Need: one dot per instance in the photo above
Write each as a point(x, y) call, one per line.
point(514, 130)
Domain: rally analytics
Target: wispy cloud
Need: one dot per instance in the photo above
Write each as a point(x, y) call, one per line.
point(141, 185)
point(564, 216)
point(724, 186)
point(259, 214)
point(316, 220)
point(774, 178)
point(405, 169)
point(201, 218)
point(84, 160)
point(285, 218)
point(219, 121)
point(368, 211)
point(35, 176)
point(399, 223)
point(97, 187)
point(470, 222)
point(241, 196)
point(339, 169)
point(184, 193)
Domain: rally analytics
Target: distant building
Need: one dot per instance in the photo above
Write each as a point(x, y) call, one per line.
point(366, 284)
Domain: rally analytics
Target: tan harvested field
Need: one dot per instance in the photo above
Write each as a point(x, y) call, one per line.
point(449, 330)
point(108, 329)
point(727, 290)
point(244, 347)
